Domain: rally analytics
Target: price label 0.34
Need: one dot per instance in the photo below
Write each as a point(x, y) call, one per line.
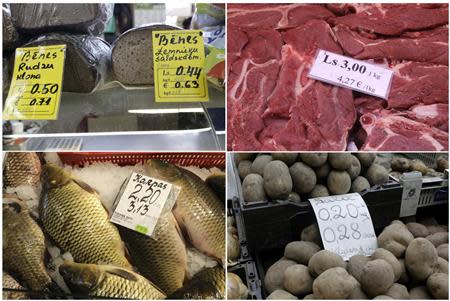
point(345, 224)
point(36, 84)
point(141, 201)
point(349, 73)
point(179, 66)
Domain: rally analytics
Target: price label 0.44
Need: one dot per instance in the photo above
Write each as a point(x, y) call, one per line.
point(36, 84)
point(349, 73)
point(142, 201)
point(179, 66)
point(345, 224)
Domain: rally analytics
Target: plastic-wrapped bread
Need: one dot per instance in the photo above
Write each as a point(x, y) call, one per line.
point(88, 18)
point(10, 34)
point(132, 55)
point(87, 60)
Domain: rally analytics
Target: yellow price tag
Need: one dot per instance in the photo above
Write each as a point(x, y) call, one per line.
point(36, 85)
point(179, 66)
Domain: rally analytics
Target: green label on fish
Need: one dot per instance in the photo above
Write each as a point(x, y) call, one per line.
point(141, 229)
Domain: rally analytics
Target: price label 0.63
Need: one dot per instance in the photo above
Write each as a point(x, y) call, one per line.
point(142, 202)
point(36, 84)
point(345, 224)
point(179, 66)
point(349, 73)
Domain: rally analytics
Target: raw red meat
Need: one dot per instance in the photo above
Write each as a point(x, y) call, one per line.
point(427, 46)
point(435, 115)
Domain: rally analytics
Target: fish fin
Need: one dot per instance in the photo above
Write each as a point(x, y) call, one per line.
point(86, 186)
point(121, 273)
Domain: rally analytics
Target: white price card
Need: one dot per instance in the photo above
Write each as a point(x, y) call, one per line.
point(349, 73)
point(345, 224)
point(142, 202)
point(412, 185)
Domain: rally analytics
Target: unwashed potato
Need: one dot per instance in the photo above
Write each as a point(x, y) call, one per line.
point(395, 238)
point(301, 251)
point(400, 164)
point(417, 230)
point(334, 283)
point(419, 293)
point(288, 158)
point(381, 253)
point(244, 168)
point(438, 238)
point(382, 297)
point(359, 184)
point(441, 266)
point(437, 285)
point(420, 258)
point(297, 280)
point(442, 163)
point(418, 165)
point(277, 180)
point(443, 251)
point(432, 229)
point(338, 182)
point(303, 177)
point(356, 264)
point(259, 163)
point(404, 278)
point(274, 278)
point(324, 260)
point(377, 174)
point(314, 160)
point(253, 188)
point(397, 291)
point(294, 197)
point(309, 297)
point(323, 171)
point(358, 294)
point(319, 191)
point(355, 168)
point(377, 277)
point(233, 246)
point(312, 233)
point(279, 295)
point(236, 289)
point(340, 161)
point(366, 159)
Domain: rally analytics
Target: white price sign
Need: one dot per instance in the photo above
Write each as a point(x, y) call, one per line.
point(349, 73)
point(142, 202)
point(345, 224)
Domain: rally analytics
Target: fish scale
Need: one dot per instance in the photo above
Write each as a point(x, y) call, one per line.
point(21, 168)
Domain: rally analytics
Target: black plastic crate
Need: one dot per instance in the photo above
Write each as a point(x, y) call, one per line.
point(248, 273)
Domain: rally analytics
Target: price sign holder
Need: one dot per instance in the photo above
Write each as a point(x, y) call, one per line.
point(353, 74)
point(345, 225)
point(179, 66)
point(36, 86)
point(141, 201)
point(412, 185)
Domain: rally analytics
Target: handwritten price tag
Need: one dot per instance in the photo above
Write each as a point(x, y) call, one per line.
point(36, 85)
point(179, 63)
point(349, 73)
point(345, 224)
point(142, 202)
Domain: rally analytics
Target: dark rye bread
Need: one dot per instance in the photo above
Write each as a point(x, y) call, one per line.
point(132, 55)
point(87, 60)
point(10, 34)
point(68, 17)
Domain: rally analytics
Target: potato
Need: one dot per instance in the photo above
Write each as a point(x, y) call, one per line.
point(340, 161)
point(419, 292)
point(324, 260)
point(397, 291)
point(338, 182)
point(244, 168)
point(356, 264)
point(420, 258)
point(377, 277)
point(437, 285)
point(312, 233)
point(404, 278)
point(244, 156)
point(383, 160)
point(277, 180)
point(443, 251)
point(381, 253)
point(259, 163)
point(366, 159)
point(288, 158)
point(253, 188)
point(418, 165)
point(297, 280)
point(395, 238)
point(377, 174)
point(279, 295)
point(303, 177)
point(358, 294)
point(442, 163)
point(300, 251)
point(334, 283)
point(319, 191)
point(359, 184)
point(275, 274)
point(429, 221)
point(323, 171)
point(441, 266)
point(382, 297)
point(309, 297)
point(236, 289)
point(433, 173)
point(417, 230)
point(438, 238)
point(233, 246)
point(355, 168)
point(400, 164)
point(432, 229)
point(314, 160)
point(294, 197)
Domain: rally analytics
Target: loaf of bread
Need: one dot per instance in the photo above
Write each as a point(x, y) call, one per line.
point(87, 60)
point(88, 18)
point(132, 55)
